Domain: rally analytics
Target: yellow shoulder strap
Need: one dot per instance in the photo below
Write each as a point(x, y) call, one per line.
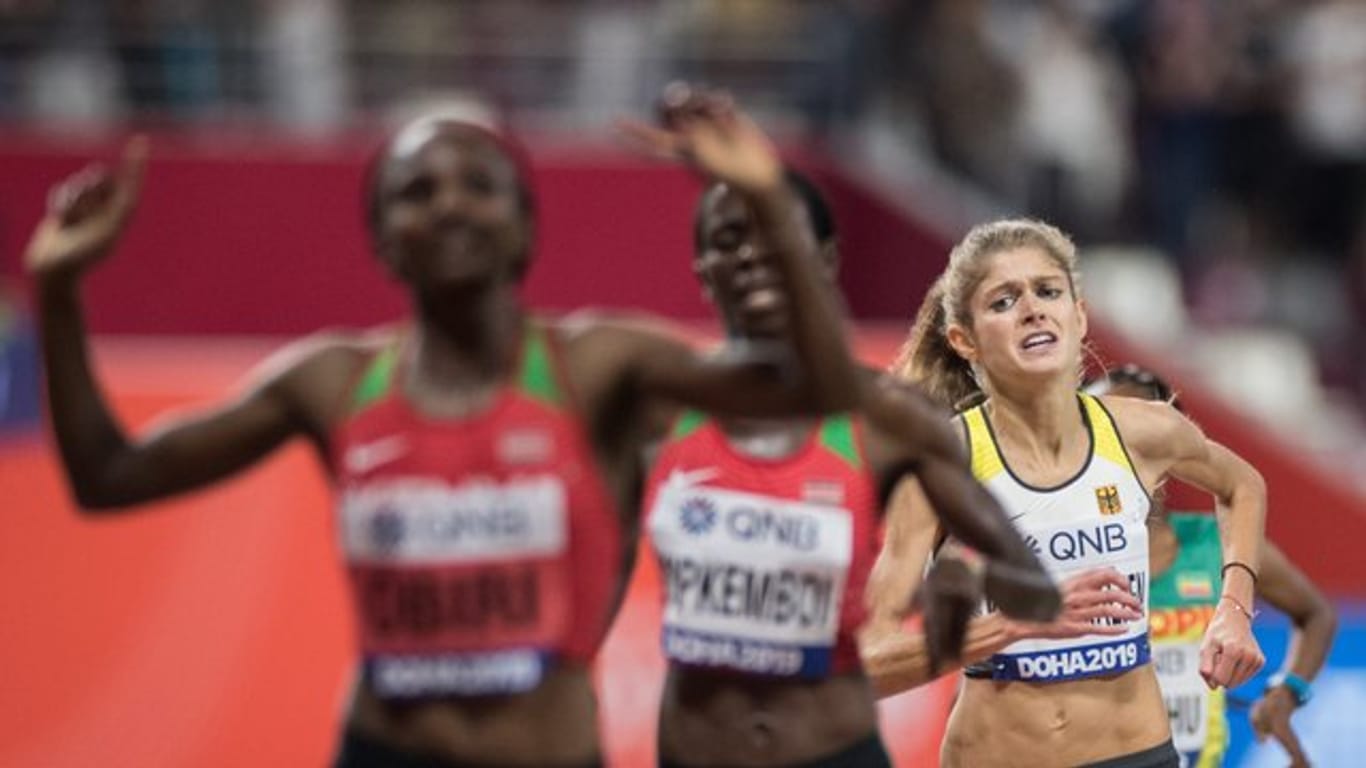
point(1104, 434)
point(986, 459)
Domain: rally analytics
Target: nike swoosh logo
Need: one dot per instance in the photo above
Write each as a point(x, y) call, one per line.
point(1013, 518)
point(680, 480)
point(363, 458)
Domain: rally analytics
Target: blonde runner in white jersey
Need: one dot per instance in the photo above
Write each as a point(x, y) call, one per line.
point(1095, 519)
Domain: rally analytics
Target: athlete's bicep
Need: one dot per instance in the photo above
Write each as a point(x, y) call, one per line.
point(1214, 468)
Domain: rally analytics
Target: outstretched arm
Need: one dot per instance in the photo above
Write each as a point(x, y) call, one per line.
point(104, 466)
point(1288, 589)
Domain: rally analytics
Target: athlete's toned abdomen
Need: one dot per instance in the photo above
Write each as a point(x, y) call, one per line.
point(1054, 724)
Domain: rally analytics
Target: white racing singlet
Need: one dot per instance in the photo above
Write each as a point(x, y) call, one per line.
point(754, 583)
point(1096, 519)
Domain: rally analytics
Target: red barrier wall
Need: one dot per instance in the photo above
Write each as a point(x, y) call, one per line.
point(243, 235)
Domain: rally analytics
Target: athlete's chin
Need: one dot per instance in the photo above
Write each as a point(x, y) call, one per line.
point(764, 325)
point(458, 276)
point(1043, 369)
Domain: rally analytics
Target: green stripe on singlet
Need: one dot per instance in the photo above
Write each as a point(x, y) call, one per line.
point(688, 422)
point(375, 383)
point(837, 435)
point(537, 377)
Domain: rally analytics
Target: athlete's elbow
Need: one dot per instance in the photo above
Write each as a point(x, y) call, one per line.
point(1324, 618)
point(96, 497)
point(93, 501)
point(1250, 487)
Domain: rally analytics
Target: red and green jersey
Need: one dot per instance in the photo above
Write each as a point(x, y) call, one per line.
point(481, 549)
point(764, 560)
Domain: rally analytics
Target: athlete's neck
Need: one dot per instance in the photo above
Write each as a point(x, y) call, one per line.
point(767, 438)
point(1043, 422)
point(466, 342)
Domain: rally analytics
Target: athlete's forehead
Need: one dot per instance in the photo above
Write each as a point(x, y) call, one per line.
point(723, 206)
point(1020, 266)
point(426, 140)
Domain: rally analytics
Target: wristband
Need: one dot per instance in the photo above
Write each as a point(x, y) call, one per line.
point(1298, 686)
point(1223, 572)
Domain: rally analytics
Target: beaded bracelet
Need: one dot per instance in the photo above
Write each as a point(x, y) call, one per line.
point(1242, 608)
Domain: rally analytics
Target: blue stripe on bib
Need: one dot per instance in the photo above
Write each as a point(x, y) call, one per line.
point(1072, 663)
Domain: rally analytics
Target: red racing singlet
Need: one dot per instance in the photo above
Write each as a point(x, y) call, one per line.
point(764, 561)
point(481, 550)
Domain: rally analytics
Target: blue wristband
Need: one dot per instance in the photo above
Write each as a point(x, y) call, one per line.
point(1298, 686)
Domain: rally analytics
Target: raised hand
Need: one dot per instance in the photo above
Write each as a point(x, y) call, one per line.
point(1229, 654)
point(705, 130)
point(1098, 595)
point(86, 214)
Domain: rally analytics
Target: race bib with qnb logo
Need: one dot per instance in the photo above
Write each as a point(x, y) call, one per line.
point(1191, 705)
point(1067, 550)
point(462, 589)
point(752, 583)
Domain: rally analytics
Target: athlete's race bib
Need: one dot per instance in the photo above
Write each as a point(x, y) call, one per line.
point(462, 589)
point(1177, 634)
point(1066, 550)
point(753, 583)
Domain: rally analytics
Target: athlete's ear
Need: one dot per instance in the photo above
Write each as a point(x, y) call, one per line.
point(961, 342)
point(1083, 321)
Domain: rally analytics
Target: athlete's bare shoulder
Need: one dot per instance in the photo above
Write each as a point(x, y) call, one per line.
point(1152, 429)
point(603, 331)
point(608, 346)
point(315, 373)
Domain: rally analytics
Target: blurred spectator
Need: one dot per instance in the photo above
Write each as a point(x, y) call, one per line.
point(1326, 52)
point(1255, 149)
point(833, 89)
point(401, 45)
point(171, 53)
point(1181, 65)
point(303, 63)
point(24, 24)
point(70, 80)
point(1073, 120)
point(967, 92)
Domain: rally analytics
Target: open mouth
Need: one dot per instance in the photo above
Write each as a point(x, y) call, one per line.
point(457, 239)
point(1038, 340)
point(762, 300)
